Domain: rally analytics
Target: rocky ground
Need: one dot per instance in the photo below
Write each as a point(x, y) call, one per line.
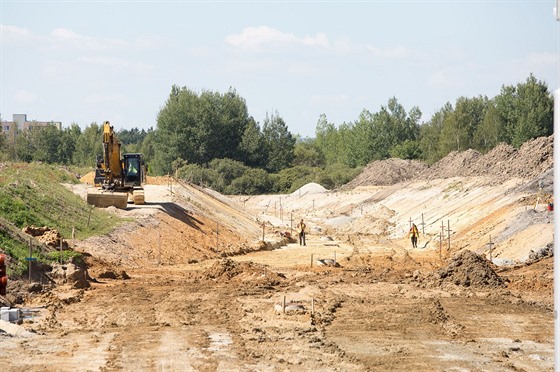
point(190, 284)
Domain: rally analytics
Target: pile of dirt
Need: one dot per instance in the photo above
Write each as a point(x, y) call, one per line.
point(502, 163)
point(469, 269)
point(534, 157)
point(46, 235)
point(453, 165)
point(540, 254)
point(226, 270)
point(71, 274)
point(386, 172)
point(496, 161)
point(88, 178)
point(310, 188)
point(159, 180)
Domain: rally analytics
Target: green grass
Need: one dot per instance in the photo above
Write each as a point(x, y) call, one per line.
point(17, 250)
point(33, 194)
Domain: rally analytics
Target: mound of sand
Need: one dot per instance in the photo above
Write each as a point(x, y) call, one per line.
point(469, 269)
point(386, 172)
point(310, 188)
point(455, 164)
point(88, 178)
point(501, 163)
point(227, 270)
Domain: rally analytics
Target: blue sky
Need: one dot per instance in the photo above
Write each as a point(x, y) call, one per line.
point(91, 61)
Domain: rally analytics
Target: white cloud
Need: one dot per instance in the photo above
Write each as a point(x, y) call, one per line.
point(63, 38)
point(12, 34)
point(255, 38)
point(66, 34)
point(25, 97)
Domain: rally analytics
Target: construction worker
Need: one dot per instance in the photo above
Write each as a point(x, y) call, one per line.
point(301, 231)
point(414, 236)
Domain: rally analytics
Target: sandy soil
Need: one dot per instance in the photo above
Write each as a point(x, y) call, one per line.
point(205, 292)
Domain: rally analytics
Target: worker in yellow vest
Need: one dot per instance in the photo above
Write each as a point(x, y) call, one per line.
point(414, 236)
point(301, 232)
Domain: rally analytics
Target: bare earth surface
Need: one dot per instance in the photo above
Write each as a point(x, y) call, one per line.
point(189, 285)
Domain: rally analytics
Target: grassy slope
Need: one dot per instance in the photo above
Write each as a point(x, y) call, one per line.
point(32, 194)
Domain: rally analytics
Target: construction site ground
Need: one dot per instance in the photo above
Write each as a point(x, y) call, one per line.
point(189, 283)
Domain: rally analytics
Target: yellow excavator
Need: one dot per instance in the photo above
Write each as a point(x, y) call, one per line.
point(117, 180)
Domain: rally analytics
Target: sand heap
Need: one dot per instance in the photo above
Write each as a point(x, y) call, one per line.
point(88, 178)
point(46, 235)
point(387, 172)
point(227, 270)
point(310, 188)
point(502, 163)
point(453, 165)
point(469, 269)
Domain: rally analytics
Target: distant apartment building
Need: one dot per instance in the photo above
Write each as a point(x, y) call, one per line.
point(20, 124)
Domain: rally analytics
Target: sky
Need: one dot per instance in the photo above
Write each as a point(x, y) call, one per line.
point(91, 61)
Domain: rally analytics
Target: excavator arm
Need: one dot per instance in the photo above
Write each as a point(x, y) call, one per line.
point(112, 166)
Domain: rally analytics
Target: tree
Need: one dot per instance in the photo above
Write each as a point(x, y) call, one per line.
point(460, 126)
point(365, 137)
point(69, 139)
point(252, 145)
point(430, 135)
point(327, 140)
point(46, 143)
point(199, 128)
point(174, 137)
point(490, 132)
point(524, 111)
point(253, 182)
point(228, 169)
point(278, 142)
point(132, 136)
point(11, 150)
point(407, 150)
point(24, 147)
point(307, 154)
point(534, 106)
point(89, 145)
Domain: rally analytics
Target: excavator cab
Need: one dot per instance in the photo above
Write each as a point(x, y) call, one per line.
point(134, 170)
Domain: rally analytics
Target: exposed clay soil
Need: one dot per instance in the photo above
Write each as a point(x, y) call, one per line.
point(189, 283)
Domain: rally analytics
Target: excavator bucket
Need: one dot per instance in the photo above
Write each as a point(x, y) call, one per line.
point(104, 199)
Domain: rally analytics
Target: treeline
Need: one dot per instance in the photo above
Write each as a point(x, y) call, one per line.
point(518, 114)
point(69, 146)
point(210, 138)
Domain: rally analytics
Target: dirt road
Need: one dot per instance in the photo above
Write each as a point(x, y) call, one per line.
point(205, 295)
